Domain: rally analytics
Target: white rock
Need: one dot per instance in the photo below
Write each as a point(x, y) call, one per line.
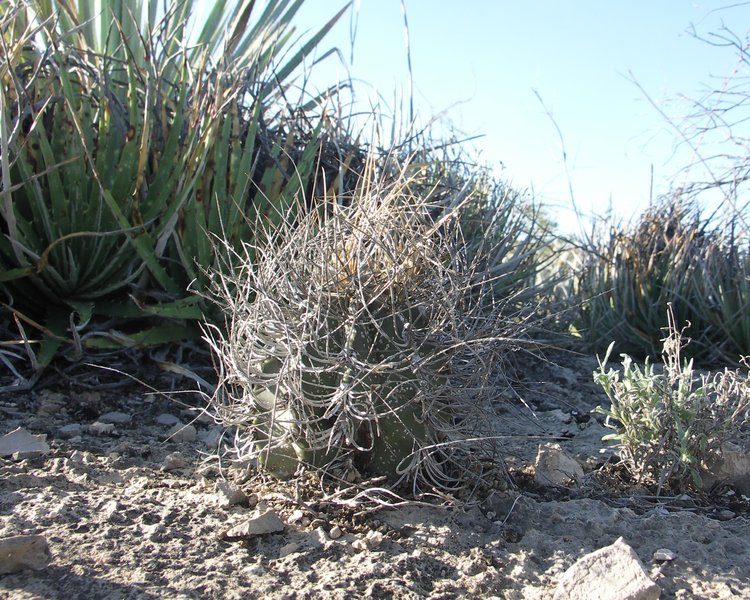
point(335, 532)
point(182, 433)
point(167, 419)
point(664, 555)
point(554, 467)
point(115, 417)
point(296, 516)
point(100, 428)
point(268, 522)
point(21, 444)
point(229, 495)
point(23, 552)
point(611, 573)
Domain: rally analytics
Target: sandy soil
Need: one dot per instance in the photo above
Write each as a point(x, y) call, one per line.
point(130, 513)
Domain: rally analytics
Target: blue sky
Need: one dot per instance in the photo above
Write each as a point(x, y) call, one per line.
point(480, 62)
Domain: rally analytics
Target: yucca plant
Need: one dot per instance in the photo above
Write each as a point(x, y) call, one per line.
point(630, 275)
point(719, 288)
point(367, 343)
point(672, 256)
point(129, 143)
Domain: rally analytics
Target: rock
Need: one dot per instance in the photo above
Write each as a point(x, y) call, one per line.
point(166, 419)
point(50, 407)
point(288, 549)
point(335, 532)
point(70, 430)
point(23, 552)
point(611, 573)
point(371, 541)
point(21, 444)
point(211, 437)
point(554, 467)
point(664, 555)
point(296, 516)
point(174, 461)
point(732, 467)
point(229, 495)
point(100, 428)
point(115, 418)
point(182, 433)
point(267, 522)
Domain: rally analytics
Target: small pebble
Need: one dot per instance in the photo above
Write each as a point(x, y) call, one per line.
point(335, 532)
point(229, 495)
point(70, 430)
point(167, 419)
point(100, 428)
point(725, 515)
point(174, 461)
point(211, 438)
point(182, 433)
point(288, 549)
point(296, 516)
point(664, 555)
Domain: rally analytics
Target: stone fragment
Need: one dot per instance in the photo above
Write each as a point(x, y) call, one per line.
point(115, 418)
point(167, 419)
point(731, 467)
point(23, 552)
point(296, 516)
point(70, 430)
point(50, 406)
point(554, 467)
point(371, 541)
point(100, 428)
point(21, 444)
point(288, 549)
point(335, 532)
point(229, 495)
point(267, 522)
point(664, 555)
point(174, 461)
point(182, 433)
point(610, 573)
point(211, 437)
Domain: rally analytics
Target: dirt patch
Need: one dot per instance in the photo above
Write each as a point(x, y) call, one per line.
point(140, 506)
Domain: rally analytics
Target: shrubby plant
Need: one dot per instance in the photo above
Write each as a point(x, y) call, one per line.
point(368, 342)
point(671, 421)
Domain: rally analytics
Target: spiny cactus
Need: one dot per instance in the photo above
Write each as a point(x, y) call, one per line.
point(364, 341)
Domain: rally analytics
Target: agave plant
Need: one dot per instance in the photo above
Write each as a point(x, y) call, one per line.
point(365, 343)
point(629, 276)
point(672, 256)
point(128, 142)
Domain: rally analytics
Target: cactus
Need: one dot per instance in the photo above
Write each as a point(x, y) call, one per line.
point(364, 335)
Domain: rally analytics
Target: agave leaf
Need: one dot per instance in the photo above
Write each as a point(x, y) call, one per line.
point(156, 335)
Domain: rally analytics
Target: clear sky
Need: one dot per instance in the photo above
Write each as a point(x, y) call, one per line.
point(481, 61)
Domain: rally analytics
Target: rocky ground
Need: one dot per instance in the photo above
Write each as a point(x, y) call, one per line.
point(134, 500)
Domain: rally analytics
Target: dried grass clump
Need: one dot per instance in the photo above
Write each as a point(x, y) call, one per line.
point(367, 343)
